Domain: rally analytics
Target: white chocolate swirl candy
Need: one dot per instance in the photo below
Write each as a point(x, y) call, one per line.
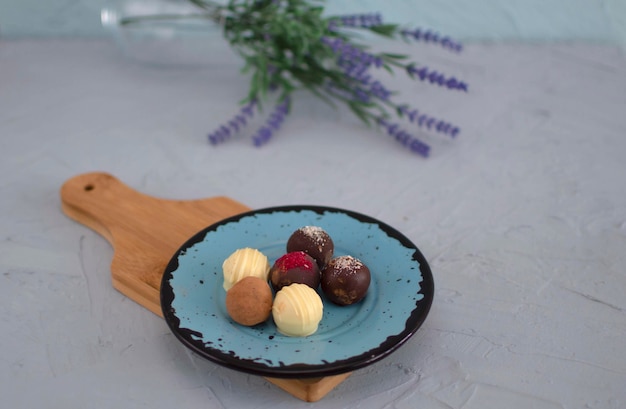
point(242, 263)
point(297, 310)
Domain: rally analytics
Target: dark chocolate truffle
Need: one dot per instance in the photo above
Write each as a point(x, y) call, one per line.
point(345, 280)
point(295, 267)
point(314, 241)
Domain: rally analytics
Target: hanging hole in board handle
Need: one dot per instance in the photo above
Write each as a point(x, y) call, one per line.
point(89, 187)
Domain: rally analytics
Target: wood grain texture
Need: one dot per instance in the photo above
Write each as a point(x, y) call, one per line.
point(310, 390)
point(145, 233)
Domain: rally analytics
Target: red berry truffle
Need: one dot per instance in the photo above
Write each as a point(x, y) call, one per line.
point(294, 267)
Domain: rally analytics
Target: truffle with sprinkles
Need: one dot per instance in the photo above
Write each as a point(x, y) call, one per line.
point(314, 241)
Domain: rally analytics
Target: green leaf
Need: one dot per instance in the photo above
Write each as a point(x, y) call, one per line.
point(386, 30)
point(360, 113)
point(400, 110)
point(395, 56)
point(318, 94)
point(388, 68)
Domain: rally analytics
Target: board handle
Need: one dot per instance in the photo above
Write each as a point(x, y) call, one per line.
point(145, 231)
point(87, 198)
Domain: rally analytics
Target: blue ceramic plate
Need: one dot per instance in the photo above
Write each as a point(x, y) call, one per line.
point(348, 338)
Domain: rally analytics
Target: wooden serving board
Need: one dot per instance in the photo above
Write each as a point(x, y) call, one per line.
point(145, 233)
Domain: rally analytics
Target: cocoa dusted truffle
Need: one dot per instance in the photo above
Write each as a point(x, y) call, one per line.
point(314, 241)
point(295, 267)
point(249, 301)
point(345, 280)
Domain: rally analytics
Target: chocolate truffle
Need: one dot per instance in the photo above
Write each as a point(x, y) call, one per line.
point(297, 310)
point(249, 301)
point(314, 241)
point(345, 280)
point(294, 267)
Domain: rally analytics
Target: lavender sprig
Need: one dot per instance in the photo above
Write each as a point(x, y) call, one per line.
point(263, 134)
point(434, 77)
point(351, 52)
point(234, 125)
point(431, 123)
point(365, 89)
point(429, 36)
point(361, 82)
point(273, 123)
point(356, 21)
point(404, 138)
point(356, 60)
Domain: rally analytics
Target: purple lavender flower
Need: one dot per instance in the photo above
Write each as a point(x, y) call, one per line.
point(356, 21)
point(355, 71)
point(365, 88)
point(224, 132)
point(404, 138)
point(350, 52)
point(363, 92)
point(423, 120)
point(432, 37)
point(358, 71)
point(378, 90)
point(434, 77)
point(273, 123)
point(357, 94)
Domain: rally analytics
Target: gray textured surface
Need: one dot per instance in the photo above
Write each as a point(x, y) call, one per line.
point(523, 219)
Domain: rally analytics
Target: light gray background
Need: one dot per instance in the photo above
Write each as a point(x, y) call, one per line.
point(522, 217)
point(535, 20)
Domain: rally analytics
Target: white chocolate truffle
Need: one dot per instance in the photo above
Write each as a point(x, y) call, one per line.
point(297, 310)
point(244, 263)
